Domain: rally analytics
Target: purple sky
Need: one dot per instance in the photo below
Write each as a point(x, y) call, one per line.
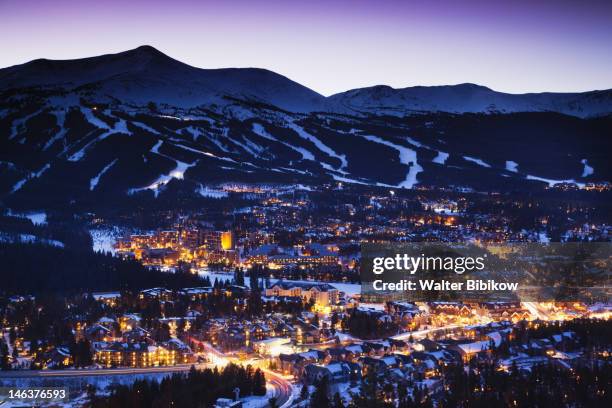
point(332, 46)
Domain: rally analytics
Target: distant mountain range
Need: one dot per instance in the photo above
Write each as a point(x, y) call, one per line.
point(140, 122)
point(145, 74)
point(468, 98)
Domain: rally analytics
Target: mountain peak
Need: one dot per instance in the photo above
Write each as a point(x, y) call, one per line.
point(145, 50)
point(145, 74)
point(76, 72)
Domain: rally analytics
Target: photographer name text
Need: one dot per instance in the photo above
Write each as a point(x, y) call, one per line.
point(444, 285)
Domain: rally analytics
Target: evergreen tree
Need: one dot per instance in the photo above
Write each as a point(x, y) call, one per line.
point(12, 335)
point(304, 392)
point(334, 319)
point(368, 396)
point(320, 397)
point(259, 383)
point(85, 353)
point(254, 278)
point(239, 277)
point(338, 403)
point(255, 305)
point(4, 357)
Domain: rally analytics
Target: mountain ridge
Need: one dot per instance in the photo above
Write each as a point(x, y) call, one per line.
point(166, 80)
point(471, 98)
point(145, 74)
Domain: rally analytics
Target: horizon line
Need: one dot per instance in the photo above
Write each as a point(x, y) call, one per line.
point(482, 85)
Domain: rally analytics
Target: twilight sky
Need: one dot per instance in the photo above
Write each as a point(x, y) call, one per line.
point(335, 45)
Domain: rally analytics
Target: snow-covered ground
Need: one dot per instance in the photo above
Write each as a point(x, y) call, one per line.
point(119, 127)
point(441, 157)
point(37, 218)
point(19, 124)
point(261, 131)
point(145, 127)
point(512, 166)
point(348, 180)
point(61, 116)
point(476, 160)
point(29, 239)
point(17, 186)
point(407, 156)
point(94, 181)
point(104, 239)
point(543, 237)
point(588, 170)
point(319, 144)
point(177, 173)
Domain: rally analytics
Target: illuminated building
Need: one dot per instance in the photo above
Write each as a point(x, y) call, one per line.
point(142, 354)
point(227, 241)
point(322, 294)
point(167, 248)
point(273, 346)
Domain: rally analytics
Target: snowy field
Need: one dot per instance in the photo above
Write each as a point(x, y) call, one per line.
point(37, 218)
point(104, 239)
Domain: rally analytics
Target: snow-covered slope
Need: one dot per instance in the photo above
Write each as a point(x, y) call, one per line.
point(145, 75)
point(466, 98)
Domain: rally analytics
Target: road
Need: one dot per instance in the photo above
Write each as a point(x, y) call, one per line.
point(279, 387)
point(96, 372)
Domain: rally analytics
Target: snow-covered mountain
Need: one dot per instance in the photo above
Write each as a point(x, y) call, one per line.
point(466, 98)
point(140, 125)
point(145, 75)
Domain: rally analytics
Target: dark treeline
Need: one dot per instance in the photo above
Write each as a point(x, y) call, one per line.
point(543, 386)
point(42, 269)
point(198, 388)
point(589, 332)
point(484, 386)
point(70, 232)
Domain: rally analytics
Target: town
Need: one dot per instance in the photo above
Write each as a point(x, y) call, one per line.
point(277, 290)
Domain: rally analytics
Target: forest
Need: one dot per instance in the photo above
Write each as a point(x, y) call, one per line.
point(198, 388)
point(43, 269)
